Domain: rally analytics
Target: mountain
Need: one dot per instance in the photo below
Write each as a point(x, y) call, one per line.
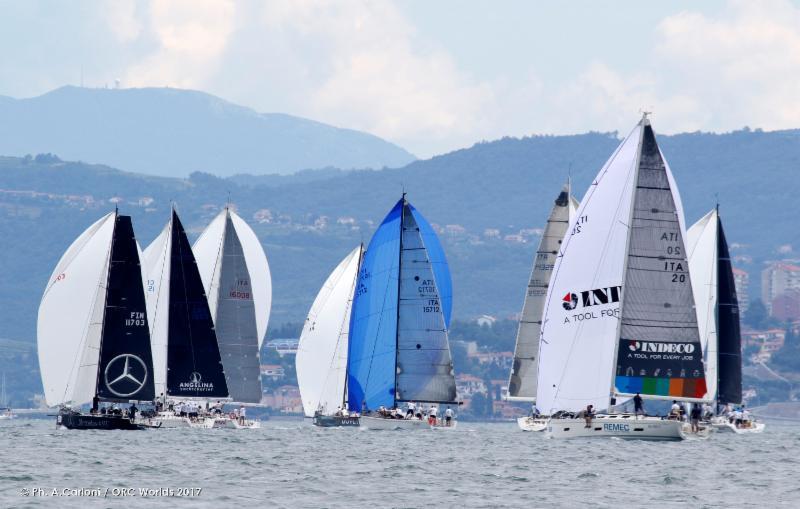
point(487, 201)
point(172, 132)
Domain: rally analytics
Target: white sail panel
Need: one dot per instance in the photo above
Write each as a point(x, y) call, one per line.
point(701, 244)
point(207, 251)
point(321, 360)
point(260, 276)
point(581, 314)
point(156, 290)
point(68, 346)
point(522, 383)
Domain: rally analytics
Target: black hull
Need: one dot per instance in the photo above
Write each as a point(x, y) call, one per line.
point(88, 421)
point(334, 421)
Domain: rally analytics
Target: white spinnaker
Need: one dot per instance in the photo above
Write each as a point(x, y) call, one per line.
point(157, 268)
point(207, 251)
point(321, 360)
point(701, 246)
point(576, 355)
point(68, 335)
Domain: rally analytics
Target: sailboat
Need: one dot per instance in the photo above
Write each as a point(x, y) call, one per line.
point(718, 317)
point(93, 338)
point(237, 281)
point(186, 356)
point(522, 381)
point(619, 318)
point(321, 359)
point(5, 411)
point(398, 343)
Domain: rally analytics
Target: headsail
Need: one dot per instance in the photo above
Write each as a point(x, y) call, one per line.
point(321, 359)
point(69, 324)
point(582, 307)
point(125, 370)
point(701, 244)
point(524, 373)
point(730, 338)
point(227, 279)
point(658, 353)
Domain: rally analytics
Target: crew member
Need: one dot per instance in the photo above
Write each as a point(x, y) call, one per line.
point(589, 413)
point(695, 416)
point(448, 416)
point(638, 405)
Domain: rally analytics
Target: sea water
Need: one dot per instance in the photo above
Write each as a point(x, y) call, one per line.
point(290, 463)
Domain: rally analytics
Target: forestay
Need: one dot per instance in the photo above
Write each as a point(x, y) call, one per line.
point(579, 328)
point(322, 352)
point(659, 353)
point(524, 373)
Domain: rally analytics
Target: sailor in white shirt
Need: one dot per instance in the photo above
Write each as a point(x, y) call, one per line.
point(432, 415)
point(242, 414)
point(448, 416)
point(410, 409)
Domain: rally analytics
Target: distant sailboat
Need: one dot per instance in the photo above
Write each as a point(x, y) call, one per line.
point(620, 317)
point(718, 316)
point(399, 350)
point(322, 353)
point(522, 382)
point(237, 281)
point(186, 355)
point(5, 411)
point(93, 338)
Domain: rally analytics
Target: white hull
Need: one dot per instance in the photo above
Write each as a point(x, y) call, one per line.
point(248, 424)
point(532, 424)
point(626, 426)
point(166, 420)
point(723, 426)
point(396, 424)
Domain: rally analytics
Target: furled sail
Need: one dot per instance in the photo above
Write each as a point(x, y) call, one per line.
point(227, 278)
point(69, 325)
point(522, 383)
point(183, 330)
point(398, 335)
point(659, 353)
point(125, 370)
point(701, 244)
point(576, 355)
point(321, 359)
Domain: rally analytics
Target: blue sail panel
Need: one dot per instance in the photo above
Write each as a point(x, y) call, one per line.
point(441, 271)
point(372, 350)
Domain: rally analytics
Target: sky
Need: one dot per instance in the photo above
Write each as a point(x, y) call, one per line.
point(431, 76)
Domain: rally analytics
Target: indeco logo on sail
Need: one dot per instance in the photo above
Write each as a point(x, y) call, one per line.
point(594, 297)
point(646, 346)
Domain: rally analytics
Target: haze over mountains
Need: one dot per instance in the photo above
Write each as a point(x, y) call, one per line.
point(488, 201)
point(173, 132)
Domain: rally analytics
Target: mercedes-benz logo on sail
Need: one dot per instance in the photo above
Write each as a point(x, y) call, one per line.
point(195, 377)
point(125, 375)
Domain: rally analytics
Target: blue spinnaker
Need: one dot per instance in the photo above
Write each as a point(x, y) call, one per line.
point(372, 351)
point(441, 271)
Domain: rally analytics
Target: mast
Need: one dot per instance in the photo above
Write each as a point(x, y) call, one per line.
point(399, 279)
point(612, 400)
point(352, 298)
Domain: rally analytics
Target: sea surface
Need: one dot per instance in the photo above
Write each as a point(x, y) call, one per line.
point(289, 463)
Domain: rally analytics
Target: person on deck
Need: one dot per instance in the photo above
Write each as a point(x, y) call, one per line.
point(242, 414)
point(448, 416)
point(588, 415)
point(695, 416)
point(432, 415)
point(675, 411)
point(410, 408)
point(638, 405)
point(132, 412)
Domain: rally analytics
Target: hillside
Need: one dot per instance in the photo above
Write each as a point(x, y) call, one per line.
point(164, 131)
point(488, 200)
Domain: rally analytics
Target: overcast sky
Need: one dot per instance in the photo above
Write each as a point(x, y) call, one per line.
point(431, 76)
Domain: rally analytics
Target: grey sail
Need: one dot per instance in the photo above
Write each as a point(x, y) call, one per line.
point(524, 373)
point(658, 353)
point(236, 322)
point(424, 365)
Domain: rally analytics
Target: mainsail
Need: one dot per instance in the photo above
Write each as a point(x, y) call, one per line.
point(524, 374)
point(321, 359)
point(92, 327)
point(658, 353)
point(398, 334)
point(183, 333)
point(227, 271)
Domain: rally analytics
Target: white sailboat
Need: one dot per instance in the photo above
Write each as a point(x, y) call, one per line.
point(524, 373)
point(619, 318)
point(5, 411)
point(186, 355)
point(237, 282)
point(718, 319)
point(321, 359)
